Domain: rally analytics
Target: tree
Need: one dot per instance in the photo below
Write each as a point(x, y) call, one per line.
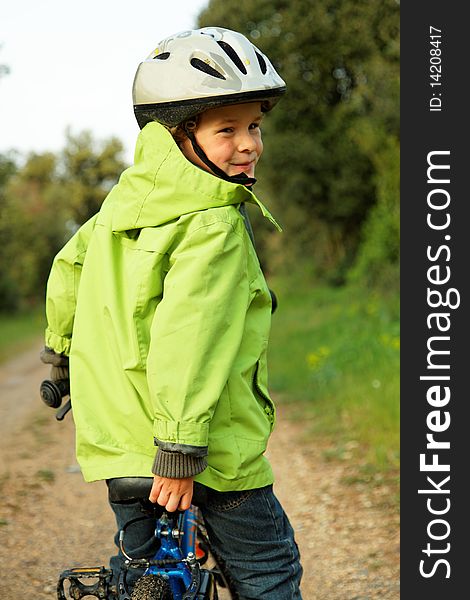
point(340, 61)
point(7, 169)
point(30, 230)
point(42, 204)
point(87, 172)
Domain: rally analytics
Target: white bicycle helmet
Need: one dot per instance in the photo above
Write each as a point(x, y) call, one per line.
point(195, 70)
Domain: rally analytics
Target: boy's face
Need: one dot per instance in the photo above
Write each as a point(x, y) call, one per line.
point(231, 138)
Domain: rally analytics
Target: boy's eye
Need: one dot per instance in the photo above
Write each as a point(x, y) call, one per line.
point(254, 125)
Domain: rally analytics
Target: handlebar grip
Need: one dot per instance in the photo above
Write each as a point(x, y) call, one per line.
point(52, 392)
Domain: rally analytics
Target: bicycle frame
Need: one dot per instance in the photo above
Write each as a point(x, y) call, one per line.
point(175, 560)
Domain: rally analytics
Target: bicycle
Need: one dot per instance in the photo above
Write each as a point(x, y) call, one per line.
point(185, 567)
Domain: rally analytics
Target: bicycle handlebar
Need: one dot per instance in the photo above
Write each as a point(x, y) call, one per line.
point(52, 393)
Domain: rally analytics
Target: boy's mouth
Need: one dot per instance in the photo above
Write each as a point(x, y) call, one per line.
point(240, 167)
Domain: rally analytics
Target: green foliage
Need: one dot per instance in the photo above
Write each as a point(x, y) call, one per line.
point(88, 172)
point(377, 263)
point(30, 230)
point(7, 169)
point(42, 203)
point(46, 475)
point(18, 331)
point(335, 354)
point(323, 166)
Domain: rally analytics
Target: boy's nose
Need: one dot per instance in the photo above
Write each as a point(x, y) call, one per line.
point(246, 142)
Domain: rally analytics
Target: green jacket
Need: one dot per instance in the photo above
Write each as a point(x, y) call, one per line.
point(160, 302)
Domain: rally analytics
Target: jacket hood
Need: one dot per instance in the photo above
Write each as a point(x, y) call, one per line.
point(163, 185)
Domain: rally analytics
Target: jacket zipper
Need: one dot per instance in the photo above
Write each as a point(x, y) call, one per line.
point(268, 409)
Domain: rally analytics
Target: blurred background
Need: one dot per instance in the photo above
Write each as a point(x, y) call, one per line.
point(329, 174)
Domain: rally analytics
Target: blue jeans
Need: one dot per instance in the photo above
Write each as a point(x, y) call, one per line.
point(248, 529)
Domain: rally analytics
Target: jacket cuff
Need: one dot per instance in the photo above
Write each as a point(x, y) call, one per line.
point(177, 465)
point(60, 344)
point(199, 451)
point(187, 433)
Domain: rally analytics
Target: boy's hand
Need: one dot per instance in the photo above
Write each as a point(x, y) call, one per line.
point(173, 494)
point(59, 362)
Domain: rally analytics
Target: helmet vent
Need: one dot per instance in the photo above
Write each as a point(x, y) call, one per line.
point(233, 55)
point(199, 64)
point(162, 56)
point(262, 63)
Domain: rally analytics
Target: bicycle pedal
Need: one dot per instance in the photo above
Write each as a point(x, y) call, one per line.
point(77, 588)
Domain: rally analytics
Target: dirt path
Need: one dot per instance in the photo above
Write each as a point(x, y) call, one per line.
point(51, 520)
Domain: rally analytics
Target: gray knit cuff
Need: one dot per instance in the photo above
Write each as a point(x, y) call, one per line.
point(49, 357)
point(177, 465)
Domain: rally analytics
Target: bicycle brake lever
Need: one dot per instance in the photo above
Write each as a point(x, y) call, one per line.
point(60, 414)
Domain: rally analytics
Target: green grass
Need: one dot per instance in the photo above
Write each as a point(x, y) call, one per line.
point(46, 475)
point(334, 355)
point(18, 331)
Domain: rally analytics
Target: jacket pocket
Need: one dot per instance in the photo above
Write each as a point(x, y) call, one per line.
point(224, 456)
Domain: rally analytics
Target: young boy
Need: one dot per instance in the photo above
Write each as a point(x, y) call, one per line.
point(161, 305)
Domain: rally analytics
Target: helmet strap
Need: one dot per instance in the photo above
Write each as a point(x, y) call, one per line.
point(241, 178)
